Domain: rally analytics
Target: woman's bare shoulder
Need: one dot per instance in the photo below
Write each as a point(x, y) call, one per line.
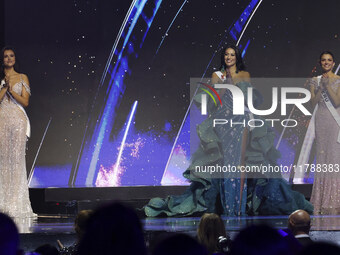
point(314, 79)
point(218, 75)
point(244, 74)
point(24, 78)
point(214, 74)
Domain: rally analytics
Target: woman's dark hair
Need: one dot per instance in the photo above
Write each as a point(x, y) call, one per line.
point(9, 235)
point(210, 228)
point(47, 249)
point(264, 240)
point(179, 244)
point(113, 229)
point(81, 221)
point(326, 52)
point(239, 61)
point(2, 67)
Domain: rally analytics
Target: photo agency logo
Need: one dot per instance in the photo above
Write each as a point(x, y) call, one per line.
point(244, 104)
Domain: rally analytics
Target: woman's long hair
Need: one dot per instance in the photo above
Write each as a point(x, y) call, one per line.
point(239, 61)
point(2, 65)
point(113, 229)
point(211, 227)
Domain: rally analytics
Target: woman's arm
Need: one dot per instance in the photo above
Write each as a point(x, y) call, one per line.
point(243, 76)
point(246, 76)
point(335, 96)
point(215, 79)
point(22, 99)
point(2, 93)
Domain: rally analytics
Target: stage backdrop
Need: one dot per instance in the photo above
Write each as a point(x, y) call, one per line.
point(110, 79)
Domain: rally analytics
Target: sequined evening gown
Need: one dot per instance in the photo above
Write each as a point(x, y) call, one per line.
point(326, 187)
point(222, 145)
point(14, 128)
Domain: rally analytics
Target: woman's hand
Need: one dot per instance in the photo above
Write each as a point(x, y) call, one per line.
point(324, 81)
point(333, 95)
point(3, 91)
point(315, 89)
point(4, 87)
point(23, 97)
point(10, 90)
point(8, 81)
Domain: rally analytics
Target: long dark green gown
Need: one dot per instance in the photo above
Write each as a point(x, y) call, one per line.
point(222, 145)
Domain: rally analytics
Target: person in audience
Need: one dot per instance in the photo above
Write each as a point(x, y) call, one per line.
point(9, 236)
point(47, 249)
point(180, 244)
point(80, 224)
point(299, 223)
point(211, 231)
point(113, 229)
point(264, 240)
point(318, 248)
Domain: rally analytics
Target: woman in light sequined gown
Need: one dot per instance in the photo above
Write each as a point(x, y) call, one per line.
point(14, 130)
point(326, 187)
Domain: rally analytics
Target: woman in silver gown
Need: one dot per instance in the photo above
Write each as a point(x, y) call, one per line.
point(14, 130)
point(325, 92)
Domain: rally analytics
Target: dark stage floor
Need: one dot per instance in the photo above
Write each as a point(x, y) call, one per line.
point(57, 208)
point(48, 229)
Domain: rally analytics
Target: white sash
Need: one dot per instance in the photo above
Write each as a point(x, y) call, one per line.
point(28, 127)
point(306, 148)
point(221, 76)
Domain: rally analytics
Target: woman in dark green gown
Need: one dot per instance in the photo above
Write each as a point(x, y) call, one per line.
point(235, 146)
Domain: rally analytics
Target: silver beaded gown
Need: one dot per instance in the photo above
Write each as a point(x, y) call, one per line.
point(14, 124)
point(326, 187)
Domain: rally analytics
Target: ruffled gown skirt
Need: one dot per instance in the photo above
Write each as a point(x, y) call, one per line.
point(222, 145)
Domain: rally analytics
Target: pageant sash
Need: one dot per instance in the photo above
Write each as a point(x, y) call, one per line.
point(28, 127)
point(221, 76)
point(306, 148)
